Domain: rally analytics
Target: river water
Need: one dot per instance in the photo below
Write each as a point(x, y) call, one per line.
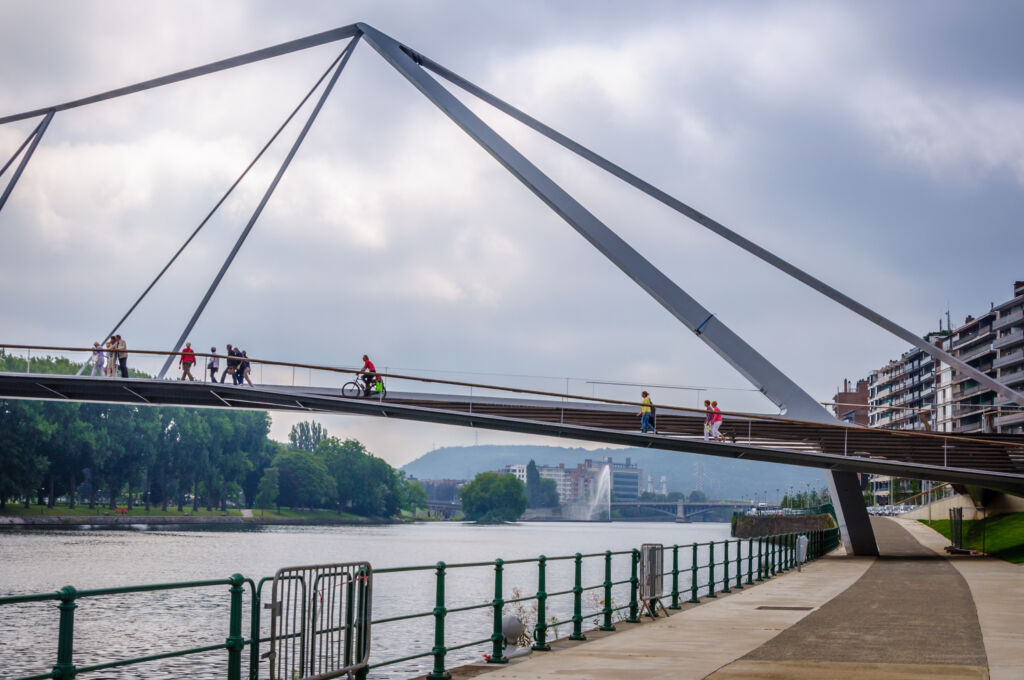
point(120, 626)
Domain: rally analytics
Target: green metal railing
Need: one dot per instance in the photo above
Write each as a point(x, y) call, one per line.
point(763, 558)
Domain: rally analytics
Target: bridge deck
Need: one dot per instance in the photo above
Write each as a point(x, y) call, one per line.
point(996, 461)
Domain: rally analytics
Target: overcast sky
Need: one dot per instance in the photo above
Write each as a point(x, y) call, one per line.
point(879, 146)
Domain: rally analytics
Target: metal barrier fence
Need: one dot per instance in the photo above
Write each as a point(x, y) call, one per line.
point(729, 568)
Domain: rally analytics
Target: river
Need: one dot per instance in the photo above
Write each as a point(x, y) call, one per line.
point(111, 627)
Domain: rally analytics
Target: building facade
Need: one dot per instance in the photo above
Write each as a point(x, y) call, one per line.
point(558, 473)
point(850, 404)
point(1009, 362)
point(625, 480)
point(901, 394)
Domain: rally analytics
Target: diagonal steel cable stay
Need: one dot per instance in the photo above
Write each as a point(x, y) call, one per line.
point(15, 155)
point(223, 198)
point(345, 54)
point(715, 226)
point(36, 135)
point(309, 41)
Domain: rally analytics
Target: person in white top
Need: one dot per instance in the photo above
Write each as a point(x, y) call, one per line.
point(98, 360)
point(213, 365)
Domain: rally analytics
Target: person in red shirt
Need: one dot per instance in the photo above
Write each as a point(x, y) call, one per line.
point(187, 361)
point(369, 373)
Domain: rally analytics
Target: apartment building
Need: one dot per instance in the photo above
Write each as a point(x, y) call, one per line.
point(556, 472)
point(850, 404)
point(625, 480)
point(901, 394)
point(1008, 327)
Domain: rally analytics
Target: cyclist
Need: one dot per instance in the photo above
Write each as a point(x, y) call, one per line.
point(369, 375)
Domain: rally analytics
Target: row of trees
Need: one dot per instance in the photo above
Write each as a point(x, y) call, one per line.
point(161, 455)
point(175, 456)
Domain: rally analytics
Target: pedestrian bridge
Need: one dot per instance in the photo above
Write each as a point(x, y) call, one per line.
point(993, 461)
point(810, 437)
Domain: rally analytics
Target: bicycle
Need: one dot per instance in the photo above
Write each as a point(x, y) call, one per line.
point(357, 388)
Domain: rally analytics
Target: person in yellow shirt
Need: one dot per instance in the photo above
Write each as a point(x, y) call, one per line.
point(647, 414)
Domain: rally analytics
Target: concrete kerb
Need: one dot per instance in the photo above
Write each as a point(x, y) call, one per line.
point(695, 641)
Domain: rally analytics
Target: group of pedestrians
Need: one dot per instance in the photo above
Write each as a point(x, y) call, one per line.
point(111, 358)
point(712, 418)
point(236, 365)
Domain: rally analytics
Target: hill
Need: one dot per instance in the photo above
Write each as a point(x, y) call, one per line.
point(721, 477)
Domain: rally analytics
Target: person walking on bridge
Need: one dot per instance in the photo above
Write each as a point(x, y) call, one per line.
point(647, 414)
point(369, 373)
point(213, 364)
point(110, 346)
point(122, 355)
point(187, 361)
point(229, 365)
point(716, 423)
point(98, 360)
point(709, 418)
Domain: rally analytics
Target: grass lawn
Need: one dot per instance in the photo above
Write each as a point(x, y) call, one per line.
point(82, 510)
point(314, 514)
point(1002, 536)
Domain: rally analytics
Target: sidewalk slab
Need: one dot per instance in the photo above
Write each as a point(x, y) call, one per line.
point(698, 641)
point(997, 588)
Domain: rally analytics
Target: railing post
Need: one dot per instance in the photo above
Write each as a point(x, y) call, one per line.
point(65, 667)
point(711, 569)
point(235, 642)
point(774, 553)
point(439, 650)
point(693, 576)
point(760, 558)
point(675, 578)
point(607, 624)
point(254, 632)
point(725, 563)
point(739, 564)
point(750, 561)
point(540, 630)
point(498, 637)
point(634, 587)
point(577, 601)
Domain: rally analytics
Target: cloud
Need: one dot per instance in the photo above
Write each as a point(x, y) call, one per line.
point(825, 132)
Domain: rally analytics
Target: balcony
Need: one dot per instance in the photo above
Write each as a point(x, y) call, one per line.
point(976, 352)
point(970, 391)
point(1007, 340)
point(970, 337)
point(1010, 419)
point(1008, 319)
point(1008, 359)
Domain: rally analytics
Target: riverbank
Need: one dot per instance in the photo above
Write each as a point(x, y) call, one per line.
point(58, 518)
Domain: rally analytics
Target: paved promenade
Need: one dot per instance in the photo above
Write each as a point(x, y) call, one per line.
point(911, 613)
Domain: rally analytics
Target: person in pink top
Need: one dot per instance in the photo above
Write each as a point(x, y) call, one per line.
point(716, 422)
point(709, 417)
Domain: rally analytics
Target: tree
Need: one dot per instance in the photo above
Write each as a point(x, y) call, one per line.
point(304, 480)
point(492, 497)
point(414, 496)
point(698, 497)
point(540, 493)
point(269, 489)
point(307, 435)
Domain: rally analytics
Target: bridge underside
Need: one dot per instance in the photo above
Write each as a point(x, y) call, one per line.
point(985, 460)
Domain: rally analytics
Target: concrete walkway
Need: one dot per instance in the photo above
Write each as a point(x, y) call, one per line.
point(911, 613)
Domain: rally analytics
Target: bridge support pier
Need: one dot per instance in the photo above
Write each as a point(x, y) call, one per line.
point(852, 514)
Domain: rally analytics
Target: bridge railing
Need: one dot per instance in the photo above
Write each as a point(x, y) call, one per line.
point(693, 571)
point(930, 450)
